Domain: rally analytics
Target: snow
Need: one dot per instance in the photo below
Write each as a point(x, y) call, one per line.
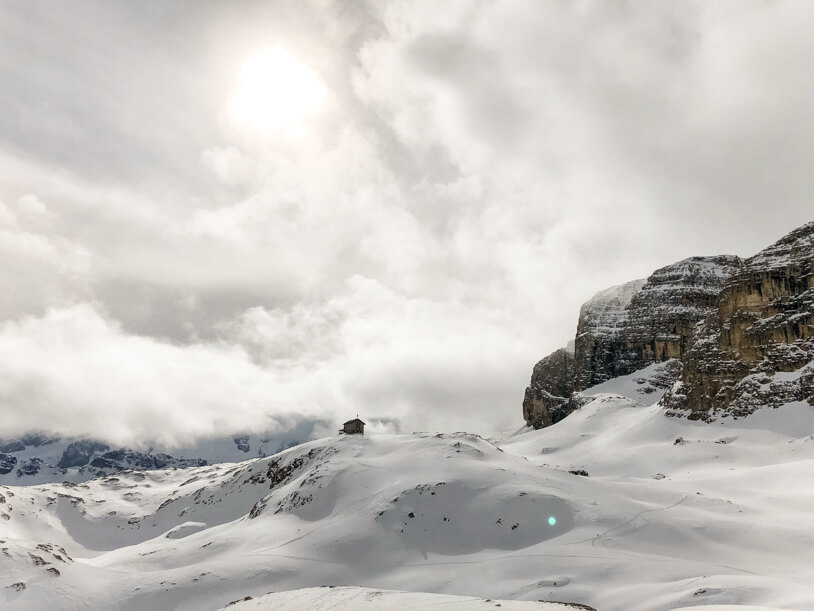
point(727, 608)
point(606, 312)
point(367, 599)
point(640, 386)
point(797, 419)
point(793, 247)
point(620, 295)
point(792, 376)
point(719, 267)
point(674, 514)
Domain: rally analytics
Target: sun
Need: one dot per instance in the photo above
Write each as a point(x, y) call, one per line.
point(274, 92)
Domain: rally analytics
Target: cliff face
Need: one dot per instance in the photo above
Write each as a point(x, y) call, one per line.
point(734, 324)
point(601, 348)
point(758, 347)
point(547, 396)
point(647, 322)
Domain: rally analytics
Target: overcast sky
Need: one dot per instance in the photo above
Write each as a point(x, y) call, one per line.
point(397, 221)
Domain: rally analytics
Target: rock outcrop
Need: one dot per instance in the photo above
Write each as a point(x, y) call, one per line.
point(14, 445)
point(126, 459)
point(624, 329)
point(734, 325)
point(548, 394)
point(30, 467)
point(757, 348)
point(79, 453)
point(7, 463)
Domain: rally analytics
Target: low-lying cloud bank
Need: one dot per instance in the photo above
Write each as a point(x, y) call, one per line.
point(76, 372)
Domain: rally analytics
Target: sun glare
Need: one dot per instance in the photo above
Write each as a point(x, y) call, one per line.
point(275, 91)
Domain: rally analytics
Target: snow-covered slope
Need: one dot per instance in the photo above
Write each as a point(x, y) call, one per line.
point(368, 599)
point(673, 514)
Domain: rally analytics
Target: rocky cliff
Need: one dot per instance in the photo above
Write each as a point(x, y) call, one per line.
point(734, 325)
point(548, 395)
point(757, 348)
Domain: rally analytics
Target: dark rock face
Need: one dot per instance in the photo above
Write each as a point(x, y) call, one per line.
point(37, 439)
point(14, 445)
point(124, 459)
point(599, 344)
point(742, 330)
point(30, 439)
point(626, 328)
point(548, 394)
point(622, 330)
point(757, 348)
point(30, 467)
point(7, 463)
point(79, 453)
point(242, 443)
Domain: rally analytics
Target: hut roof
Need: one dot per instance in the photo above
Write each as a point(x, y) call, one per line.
point(354, 421)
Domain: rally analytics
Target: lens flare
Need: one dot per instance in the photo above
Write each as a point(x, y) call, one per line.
point(552, 521)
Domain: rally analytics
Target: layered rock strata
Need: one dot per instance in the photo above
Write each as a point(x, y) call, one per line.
point(742, 329)
point(656, 321)
point(758, 346)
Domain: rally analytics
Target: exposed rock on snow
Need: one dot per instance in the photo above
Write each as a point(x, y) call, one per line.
point(758, 347)
point(15, 445)
point(656, 324)
point(242, 443)
point(120, 460)
point(79, 453)
point(33, 466)
point(548, 394)
point(7, 463)
point(37, 458)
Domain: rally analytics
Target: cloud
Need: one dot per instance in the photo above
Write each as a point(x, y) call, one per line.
point(39, 265)
point(75, 372)
point(596, 112)
point(229, 165)
point(477, 171)
point(392, 356)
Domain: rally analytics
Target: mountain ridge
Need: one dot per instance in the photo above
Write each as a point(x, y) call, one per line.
point(38, 458)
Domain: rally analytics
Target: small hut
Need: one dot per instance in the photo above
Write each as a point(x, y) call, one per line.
point(353, 427)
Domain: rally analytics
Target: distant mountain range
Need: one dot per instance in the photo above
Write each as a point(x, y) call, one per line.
point(36, 458)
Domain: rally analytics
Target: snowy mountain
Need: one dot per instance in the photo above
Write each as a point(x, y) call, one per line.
point(38, 458)
point(616, 507)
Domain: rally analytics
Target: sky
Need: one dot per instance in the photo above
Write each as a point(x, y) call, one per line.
point(222, 217)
